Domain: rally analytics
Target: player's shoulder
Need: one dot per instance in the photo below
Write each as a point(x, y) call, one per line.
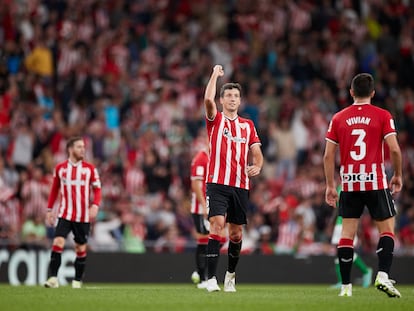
point(61, 164)
point(88, 164)
point(381, 110)
point(217, 117)
point(201, 155)
point(352, 109)
point(245, 120)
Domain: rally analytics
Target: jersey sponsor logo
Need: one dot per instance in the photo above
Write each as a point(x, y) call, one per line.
point(73, 182)
point(350, 177)
point(228, 135)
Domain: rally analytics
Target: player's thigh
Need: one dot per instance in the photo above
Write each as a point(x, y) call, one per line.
point(237, 211)
point(380, 204)
point(62, 229)
point(351, 204)
point(80, 232)
point(217, 199)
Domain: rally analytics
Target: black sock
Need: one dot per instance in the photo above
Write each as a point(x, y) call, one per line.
point(55, 261)
point(201, 261)
point(79, 268)
point(385, 253)
point(213, 252)
point(234, 255)
point(345, 257)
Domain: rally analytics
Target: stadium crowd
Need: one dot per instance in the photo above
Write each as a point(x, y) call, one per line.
point(129, 76)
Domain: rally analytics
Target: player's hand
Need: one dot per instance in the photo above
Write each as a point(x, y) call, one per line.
point(218, 70)
point(50, 218)
point(331, 196)
point(253, 170)
point(395, 184)
point(93, 211)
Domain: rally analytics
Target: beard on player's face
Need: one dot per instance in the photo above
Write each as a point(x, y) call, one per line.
point(78, 154)
point(79, 157)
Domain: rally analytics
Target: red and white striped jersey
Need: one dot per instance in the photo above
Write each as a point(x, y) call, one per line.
point(34, 194)
point(288, 237)
point(199, 171)
point(230, 141)
point(359, 130)
point(134, 180)
point(74, 182)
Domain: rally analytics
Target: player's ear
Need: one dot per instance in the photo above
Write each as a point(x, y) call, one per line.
point(373, 93)
point(351, 91)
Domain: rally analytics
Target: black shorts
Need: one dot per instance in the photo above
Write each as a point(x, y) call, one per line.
point(380, 204)
point(227, 201)
point(80, 230)
point(199, 224)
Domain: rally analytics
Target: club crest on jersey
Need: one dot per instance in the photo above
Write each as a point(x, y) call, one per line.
point(243, 126)
point(228, 135)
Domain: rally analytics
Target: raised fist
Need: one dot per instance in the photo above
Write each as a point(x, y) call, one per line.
point(218, 69)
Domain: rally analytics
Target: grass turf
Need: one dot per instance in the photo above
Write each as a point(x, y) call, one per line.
point(181, 297)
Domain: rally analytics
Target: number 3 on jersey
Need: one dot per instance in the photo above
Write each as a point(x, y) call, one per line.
point(360, 133)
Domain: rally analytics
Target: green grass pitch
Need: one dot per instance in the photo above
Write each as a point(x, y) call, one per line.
point(181, 297)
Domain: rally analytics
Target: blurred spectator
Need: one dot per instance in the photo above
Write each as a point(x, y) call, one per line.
point(39, 60)
point(134, 233)
point(21, 148)
point(286, 151)
point(290, 234)
point(170, 241)
point(34, 193)
point(33, 233)
point(106, 234)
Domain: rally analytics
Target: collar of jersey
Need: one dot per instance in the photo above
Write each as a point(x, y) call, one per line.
point(75, 164)
point(229, 118)
point(360, 104)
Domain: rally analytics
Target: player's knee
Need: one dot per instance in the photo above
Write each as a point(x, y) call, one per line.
point(80, 248)
point(59, 242)
point(235, 236)
point(216, 226)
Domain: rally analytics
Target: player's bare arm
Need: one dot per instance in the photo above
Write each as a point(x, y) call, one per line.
point(257, 161)
point(396, 159)
point(197, 188)
point(93, 211)
point(210, 92)
point(50, 217)
point(331, 194)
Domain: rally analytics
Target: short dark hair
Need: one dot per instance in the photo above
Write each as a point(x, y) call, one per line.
point(362, 85)
point(72, 141)
point(230, 86)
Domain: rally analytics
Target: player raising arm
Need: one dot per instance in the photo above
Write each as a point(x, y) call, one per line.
point(232, 141)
